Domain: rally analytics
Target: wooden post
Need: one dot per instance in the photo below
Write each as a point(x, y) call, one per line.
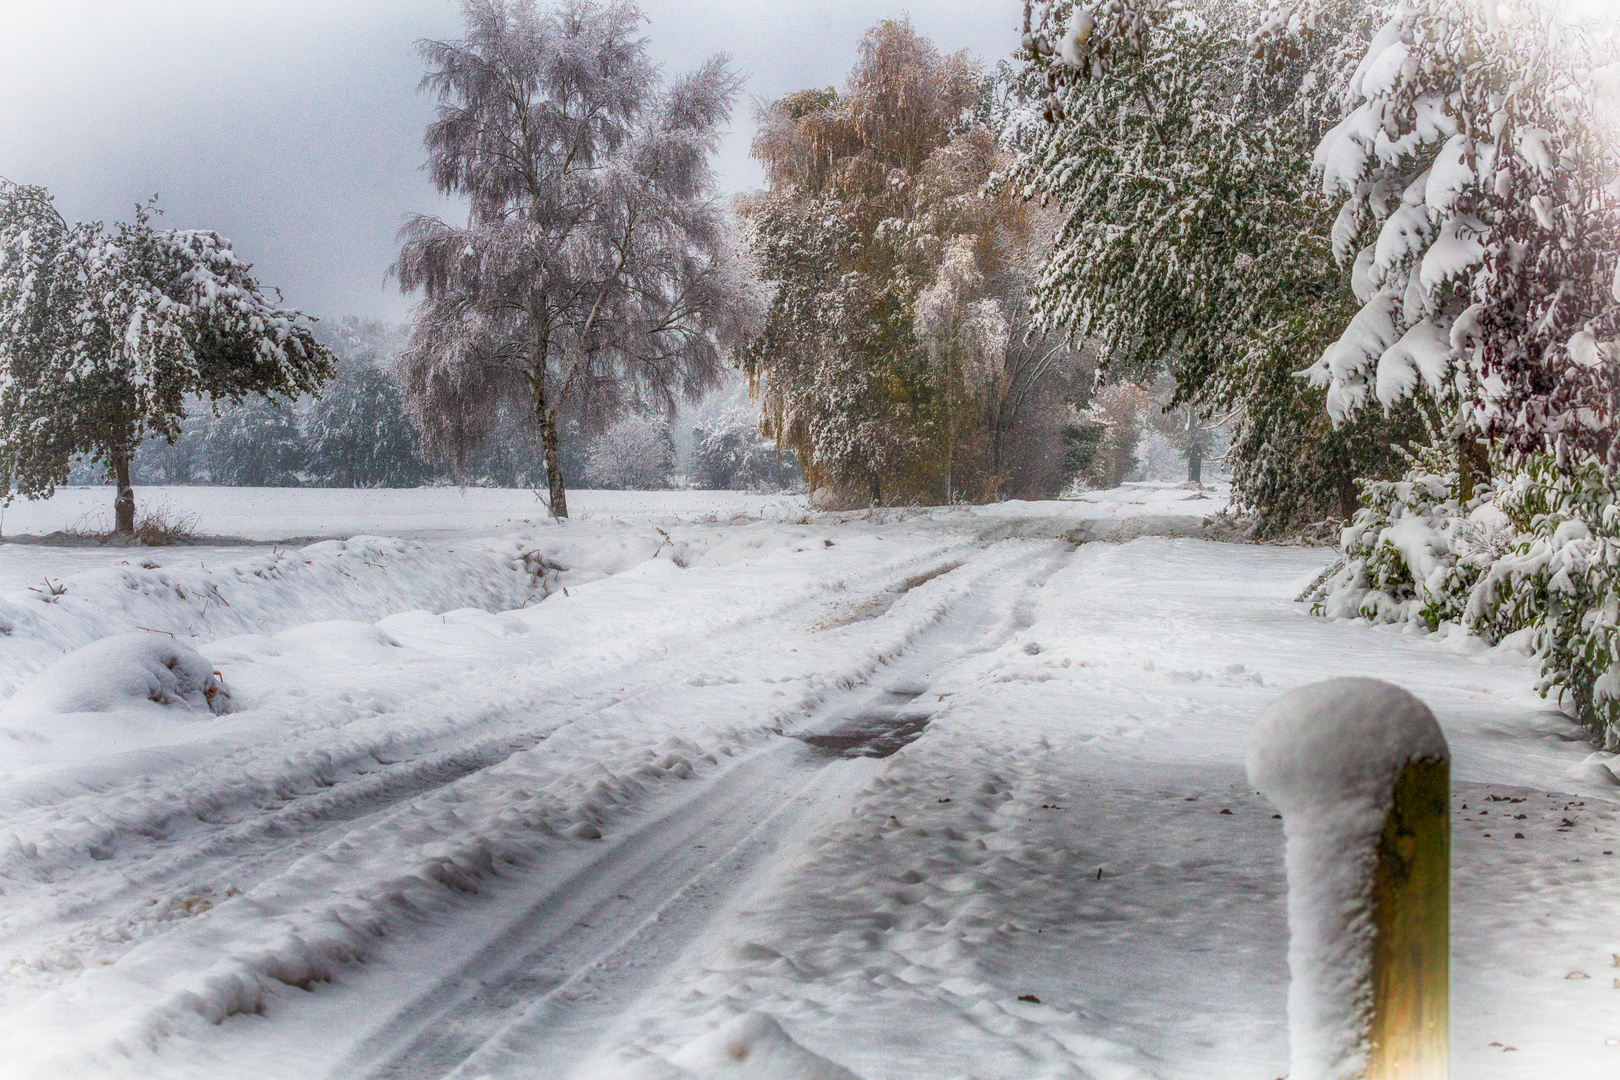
point(1361, 773)
point(1411, 1021)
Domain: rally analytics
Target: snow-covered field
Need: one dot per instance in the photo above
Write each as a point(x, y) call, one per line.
point(261, 519)
point(268, 514)
point(893, 795)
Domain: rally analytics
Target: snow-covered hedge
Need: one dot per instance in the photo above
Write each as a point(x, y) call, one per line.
point(1536, 555)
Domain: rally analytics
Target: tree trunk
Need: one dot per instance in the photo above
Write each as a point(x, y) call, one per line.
point(551, 452)
point(1195, 466)
point(877, 492)
point(1348, 497)
point(124, 503)
point(1473, 465)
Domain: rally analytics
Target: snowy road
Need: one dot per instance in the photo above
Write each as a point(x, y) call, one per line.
point(585, 835)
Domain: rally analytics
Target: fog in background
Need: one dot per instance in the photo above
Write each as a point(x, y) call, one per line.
point(294, 127)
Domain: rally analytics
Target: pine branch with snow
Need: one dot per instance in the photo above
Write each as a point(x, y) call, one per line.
point(1478, 210)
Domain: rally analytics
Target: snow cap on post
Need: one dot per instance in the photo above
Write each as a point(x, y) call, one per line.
point(1340, 741)
point(1331, 756)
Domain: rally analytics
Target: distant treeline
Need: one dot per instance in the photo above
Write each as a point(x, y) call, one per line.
point(357, 433)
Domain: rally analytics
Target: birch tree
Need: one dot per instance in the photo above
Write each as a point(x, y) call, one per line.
point(595, 268)
point(884, 360)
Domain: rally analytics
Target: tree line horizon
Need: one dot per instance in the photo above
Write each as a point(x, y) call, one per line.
point(950, 288)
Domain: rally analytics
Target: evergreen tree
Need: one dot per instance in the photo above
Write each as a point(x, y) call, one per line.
point(254, 443)
point(359, 435)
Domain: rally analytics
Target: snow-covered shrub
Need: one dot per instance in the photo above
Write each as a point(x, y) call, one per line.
point(732, 455)
point(636, 454)
point(1413, 551)
point(140, 673)
point(1538, 552)
point(1561, 582)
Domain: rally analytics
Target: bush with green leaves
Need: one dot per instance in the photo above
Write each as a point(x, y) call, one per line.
point(1537, 556)
point(1561, 583)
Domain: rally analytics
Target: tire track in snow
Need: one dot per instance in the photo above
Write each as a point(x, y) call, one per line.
point(540, 994)
point(581, 947)
point(262, 815)
point(275, 964)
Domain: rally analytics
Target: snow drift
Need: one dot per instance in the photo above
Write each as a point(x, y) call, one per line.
point(140, 671)
point(364, 578)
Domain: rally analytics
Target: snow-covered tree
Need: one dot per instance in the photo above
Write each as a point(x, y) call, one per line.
point(884, 359)
point(635, 454)
point(1187, 215)
point(1106, 434)
point(595, 262)
point(106, 333)
point(1474, 172)
point(1479, 213)
point(253, 443)
point(358, 434)
point(1042, 376)
point(1194, 240)
point(964, 333)
point(729, 453)
point(1187, 430)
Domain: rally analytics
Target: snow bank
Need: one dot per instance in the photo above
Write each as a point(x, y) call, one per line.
point(279, 514)
point(364, 578)
point(116, 695)
point(1327, 756)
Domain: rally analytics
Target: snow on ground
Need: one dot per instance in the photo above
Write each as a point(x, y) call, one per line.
point(930, 793)
point(271, 514)
point(1153, 500)
point(265, 516)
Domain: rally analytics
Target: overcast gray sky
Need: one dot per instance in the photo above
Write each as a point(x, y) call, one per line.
point(294, 126)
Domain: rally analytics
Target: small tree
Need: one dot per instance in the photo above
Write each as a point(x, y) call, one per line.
point(105, 332)
point(595, 262)
point(636, 454)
